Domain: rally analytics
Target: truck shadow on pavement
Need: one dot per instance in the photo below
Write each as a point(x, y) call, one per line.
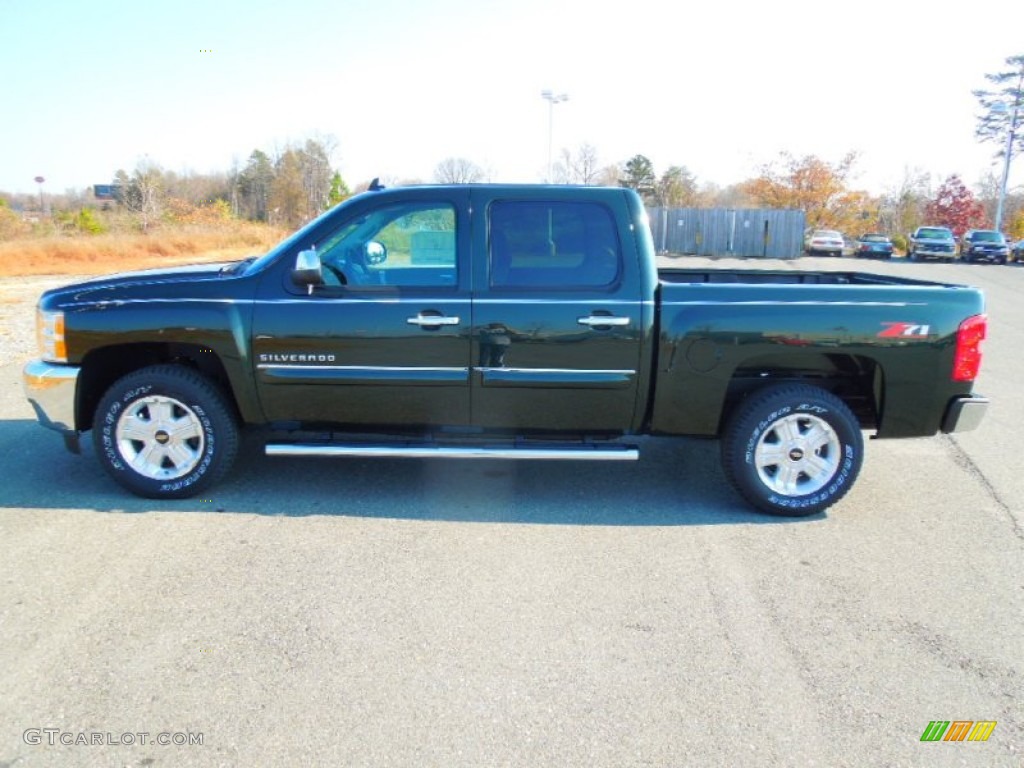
point(676, 482)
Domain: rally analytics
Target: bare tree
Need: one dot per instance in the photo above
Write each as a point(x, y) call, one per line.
point(610, 176)
point(458, 170)
point(580, 167)
point(902, 206)
point(316, 177)
point(142, 192)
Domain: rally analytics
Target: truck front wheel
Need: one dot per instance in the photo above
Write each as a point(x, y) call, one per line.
point(792, 450)
point(165, 432)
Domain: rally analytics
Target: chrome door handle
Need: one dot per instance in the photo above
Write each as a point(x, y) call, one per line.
point(606, 320)
point(432, 321)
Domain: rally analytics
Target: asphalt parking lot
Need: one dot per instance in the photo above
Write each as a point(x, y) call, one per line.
point(400, 612)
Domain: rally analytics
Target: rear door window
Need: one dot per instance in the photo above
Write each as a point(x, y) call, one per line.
point(553, 244)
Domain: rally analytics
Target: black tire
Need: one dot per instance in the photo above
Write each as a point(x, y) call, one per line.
point(165, 432)
point(820, 449)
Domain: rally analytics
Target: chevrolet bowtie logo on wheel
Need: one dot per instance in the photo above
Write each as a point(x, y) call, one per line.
point(958, 730)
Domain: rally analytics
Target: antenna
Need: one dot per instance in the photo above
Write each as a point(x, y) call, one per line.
point(375, 185)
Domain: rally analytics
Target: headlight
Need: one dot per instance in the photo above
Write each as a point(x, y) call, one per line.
point(50, 336)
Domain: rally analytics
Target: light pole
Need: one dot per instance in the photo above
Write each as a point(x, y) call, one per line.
point(552, 98)
point(39, 181)
point(1011, 132)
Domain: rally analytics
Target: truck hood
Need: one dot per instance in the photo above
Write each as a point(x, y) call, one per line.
point(172, 282)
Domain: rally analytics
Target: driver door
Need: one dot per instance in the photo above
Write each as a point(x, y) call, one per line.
point(385, 339)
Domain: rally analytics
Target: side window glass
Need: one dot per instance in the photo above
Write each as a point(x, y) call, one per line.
point(553, 244)
point(409, 244)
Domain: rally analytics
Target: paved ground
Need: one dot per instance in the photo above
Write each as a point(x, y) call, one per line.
point(357, 612)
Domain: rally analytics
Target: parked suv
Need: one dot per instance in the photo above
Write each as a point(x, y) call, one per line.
point(932, 243)
point(984, 245)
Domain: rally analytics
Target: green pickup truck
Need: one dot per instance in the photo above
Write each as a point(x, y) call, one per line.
point(500, 321)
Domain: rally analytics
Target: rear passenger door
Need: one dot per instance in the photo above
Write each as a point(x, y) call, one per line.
point(556, 314)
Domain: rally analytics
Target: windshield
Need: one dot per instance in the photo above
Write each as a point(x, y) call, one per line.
point(828, 233)
point(987, 237)
point(270, 255)
point(874, 239)
point(935, 233)
point(284, 245)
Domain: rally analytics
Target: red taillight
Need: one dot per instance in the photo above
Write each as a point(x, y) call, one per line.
point(968, 348)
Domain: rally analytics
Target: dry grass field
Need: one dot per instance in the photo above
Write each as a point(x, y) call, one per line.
point(98, 254)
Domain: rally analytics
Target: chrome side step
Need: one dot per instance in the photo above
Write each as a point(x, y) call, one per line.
point(575, 452)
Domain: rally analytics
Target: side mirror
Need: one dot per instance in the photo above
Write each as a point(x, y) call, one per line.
point(307, 270)
point(375, 253)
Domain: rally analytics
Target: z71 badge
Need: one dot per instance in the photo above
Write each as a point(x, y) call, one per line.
point(904, 331)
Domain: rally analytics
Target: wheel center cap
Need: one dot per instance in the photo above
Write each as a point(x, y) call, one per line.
point(796, 454)
point(162, 437)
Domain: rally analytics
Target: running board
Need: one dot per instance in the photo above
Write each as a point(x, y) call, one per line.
point(575, 452)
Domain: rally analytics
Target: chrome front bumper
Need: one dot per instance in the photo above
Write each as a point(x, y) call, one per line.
point(50, 389)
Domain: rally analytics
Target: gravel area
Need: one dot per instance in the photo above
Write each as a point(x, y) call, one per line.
point(18, 297)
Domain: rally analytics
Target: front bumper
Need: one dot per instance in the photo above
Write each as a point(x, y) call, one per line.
point(51, 389)
point(964, 413)
point(986, 255)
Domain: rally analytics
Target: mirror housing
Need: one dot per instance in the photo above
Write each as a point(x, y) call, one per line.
point(375, 253)
point(307, 270)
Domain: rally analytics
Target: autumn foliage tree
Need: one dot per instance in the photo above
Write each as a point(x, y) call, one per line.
point(955, 206)
point(677, 188)
point(815, 186)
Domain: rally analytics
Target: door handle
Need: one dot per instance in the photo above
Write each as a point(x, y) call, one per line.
point(432, 321)
point(602, 320)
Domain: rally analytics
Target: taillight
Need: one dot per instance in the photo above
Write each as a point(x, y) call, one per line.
point(968, 348)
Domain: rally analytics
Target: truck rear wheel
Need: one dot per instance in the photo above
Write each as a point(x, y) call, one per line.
point(165, 432)
point(792, 449)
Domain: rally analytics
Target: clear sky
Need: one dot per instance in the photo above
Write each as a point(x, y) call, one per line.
point(721, 87)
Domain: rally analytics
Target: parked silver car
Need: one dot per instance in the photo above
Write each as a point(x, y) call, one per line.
point(825, 241)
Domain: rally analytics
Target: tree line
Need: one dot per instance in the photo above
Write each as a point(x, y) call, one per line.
point(292, 185)
point(298, 183)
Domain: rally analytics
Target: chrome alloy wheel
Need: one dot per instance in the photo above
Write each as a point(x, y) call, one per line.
point(797, 455)
point(160, 438)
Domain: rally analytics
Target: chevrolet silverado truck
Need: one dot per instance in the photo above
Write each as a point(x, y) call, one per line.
point(499, 321)
point(931, 243)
